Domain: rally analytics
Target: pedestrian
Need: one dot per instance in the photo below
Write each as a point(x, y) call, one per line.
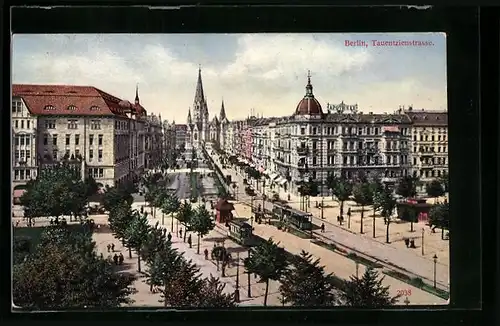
point(338, 219)
point(109, 247)
point(169, 237)
point(102, 255)
point(341, 219)
point(115, 259)
point(180, 233)
point(322, 227)
point(206, 253)
point(189, 241)
point(341, 210)
point(120, 259)
point(349, 212)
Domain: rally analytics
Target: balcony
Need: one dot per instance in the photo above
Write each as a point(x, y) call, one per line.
point(302, 150)
point(349, 150)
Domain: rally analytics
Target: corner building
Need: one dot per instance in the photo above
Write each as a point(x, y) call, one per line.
point(97, 132)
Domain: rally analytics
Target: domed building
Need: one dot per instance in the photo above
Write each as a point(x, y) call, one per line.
point(309, 105)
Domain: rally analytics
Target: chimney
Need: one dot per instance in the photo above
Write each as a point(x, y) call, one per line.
point(370, 112)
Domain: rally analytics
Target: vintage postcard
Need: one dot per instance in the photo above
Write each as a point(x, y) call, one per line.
point(211, 170)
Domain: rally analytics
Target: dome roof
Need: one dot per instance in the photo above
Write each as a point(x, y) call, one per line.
point(309, 105)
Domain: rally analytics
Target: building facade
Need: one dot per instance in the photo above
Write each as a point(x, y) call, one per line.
point(153, 141)
point(429, 143)
point(82, 125)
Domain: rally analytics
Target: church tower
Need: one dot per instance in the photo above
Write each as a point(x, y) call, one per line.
point(200, 129)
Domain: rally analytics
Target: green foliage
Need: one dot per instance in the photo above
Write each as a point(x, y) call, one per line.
point(367, 291)
point(435, 188)
point(439, 216)
point(136, 234)
point(91, 186)
point(183, 285)
point(119, 219)
point(407, 187)
point(55, 192)
point(21, 247)
point(268, 261)
point(201, 221)
point(113, 197)
point(362, 193)
point(185, 214)
point(308, 188)
point(212, 295)
point(386, 202)
point(61, 275)
point(307, 284)
point(156, 240)
point(444, 179)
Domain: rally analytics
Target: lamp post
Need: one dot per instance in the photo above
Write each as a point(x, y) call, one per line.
point(357, 269)
point(435, 258)
point(407, 301)
point(423, 232)
point(237, 288)
point(249, 293)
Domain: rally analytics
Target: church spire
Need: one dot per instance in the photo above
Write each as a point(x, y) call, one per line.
point(199, 95)
point(222, 111)
point(189, 120)
point(309, 88)
point(137, 94)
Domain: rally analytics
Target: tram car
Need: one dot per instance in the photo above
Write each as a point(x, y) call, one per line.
point(298, 219)
point(241, 232)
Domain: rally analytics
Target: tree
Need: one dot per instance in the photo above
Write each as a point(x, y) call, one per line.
point(342, 190)
point(159, 198)
point(407, 187)
point(21, 248)
point(376, 187)
point(367, 291)
point(155, 241)
point(444, 179)
point(201, 223)
point(58, 276)
point(331, 182)
point(136, 234)
point(307, 284)
point(170, 205)
point(363, 196)
point(119, 219)
point(388, 204)
point(212, 295)
point(113, 197)
point(435, 189)
point(91, 186)
point(439, 216)
point(55, 192)
point(268, 261)
point(183, 286)
point(184, 216)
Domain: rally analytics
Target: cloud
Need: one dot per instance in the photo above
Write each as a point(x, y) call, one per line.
point(267, 72)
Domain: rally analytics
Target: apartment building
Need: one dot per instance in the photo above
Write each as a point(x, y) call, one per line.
point(153, 141)
point(82, 125)
point(429, 143)
point(180, 135)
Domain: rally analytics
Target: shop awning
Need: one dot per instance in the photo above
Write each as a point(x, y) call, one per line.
point(18, 193)
point(391, 129)
point(274, 176)
point(282, 181)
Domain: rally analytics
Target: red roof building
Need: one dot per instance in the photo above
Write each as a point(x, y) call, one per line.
point(309, 105)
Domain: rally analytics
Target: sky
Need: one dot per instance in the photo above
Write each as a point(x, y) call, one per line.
point(261, 73)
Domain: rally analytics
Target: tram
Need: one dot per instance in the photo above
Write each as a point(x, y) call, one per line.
point(299, 219)
point(241, 232)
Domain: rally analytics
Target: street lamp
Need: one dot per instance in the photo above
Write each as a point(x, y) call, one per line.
point(435, 258)
point(237, 288)
point(407, 301)
point(423, 231)
point(249, 293)
point(357, 269)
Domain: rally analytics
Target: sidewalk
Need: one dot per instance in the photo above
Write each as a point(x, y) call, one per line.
point(403, 257)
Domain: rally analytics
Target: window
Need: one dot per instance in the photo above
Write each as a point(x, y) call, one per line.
point(21, 140)
point(16, 140)
point(45, 139)
point(16, 106)
point(67, 153)
point(50, 124)
point(91, 140)
point(99, 155)
point(73, 124)
point(77, 140)
point(54, 140)
point(95, 124)
point(376, 131)
point(16, 174)
point(16, 156)
point(71, 108)
point(27, 140)
point(99, 140)
point(94, 108)
point(302, 130)
point(77, 152)
point(22, 124)
point(16, 124)
point(28, 155)
point(91, 155)
point(68, 140)
point(101, 173)
point(54, 154)
point(49, 108)
point(28, 124)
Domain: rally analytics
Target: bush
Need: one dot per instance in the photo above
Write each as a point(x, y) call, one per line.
point(417, 281)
